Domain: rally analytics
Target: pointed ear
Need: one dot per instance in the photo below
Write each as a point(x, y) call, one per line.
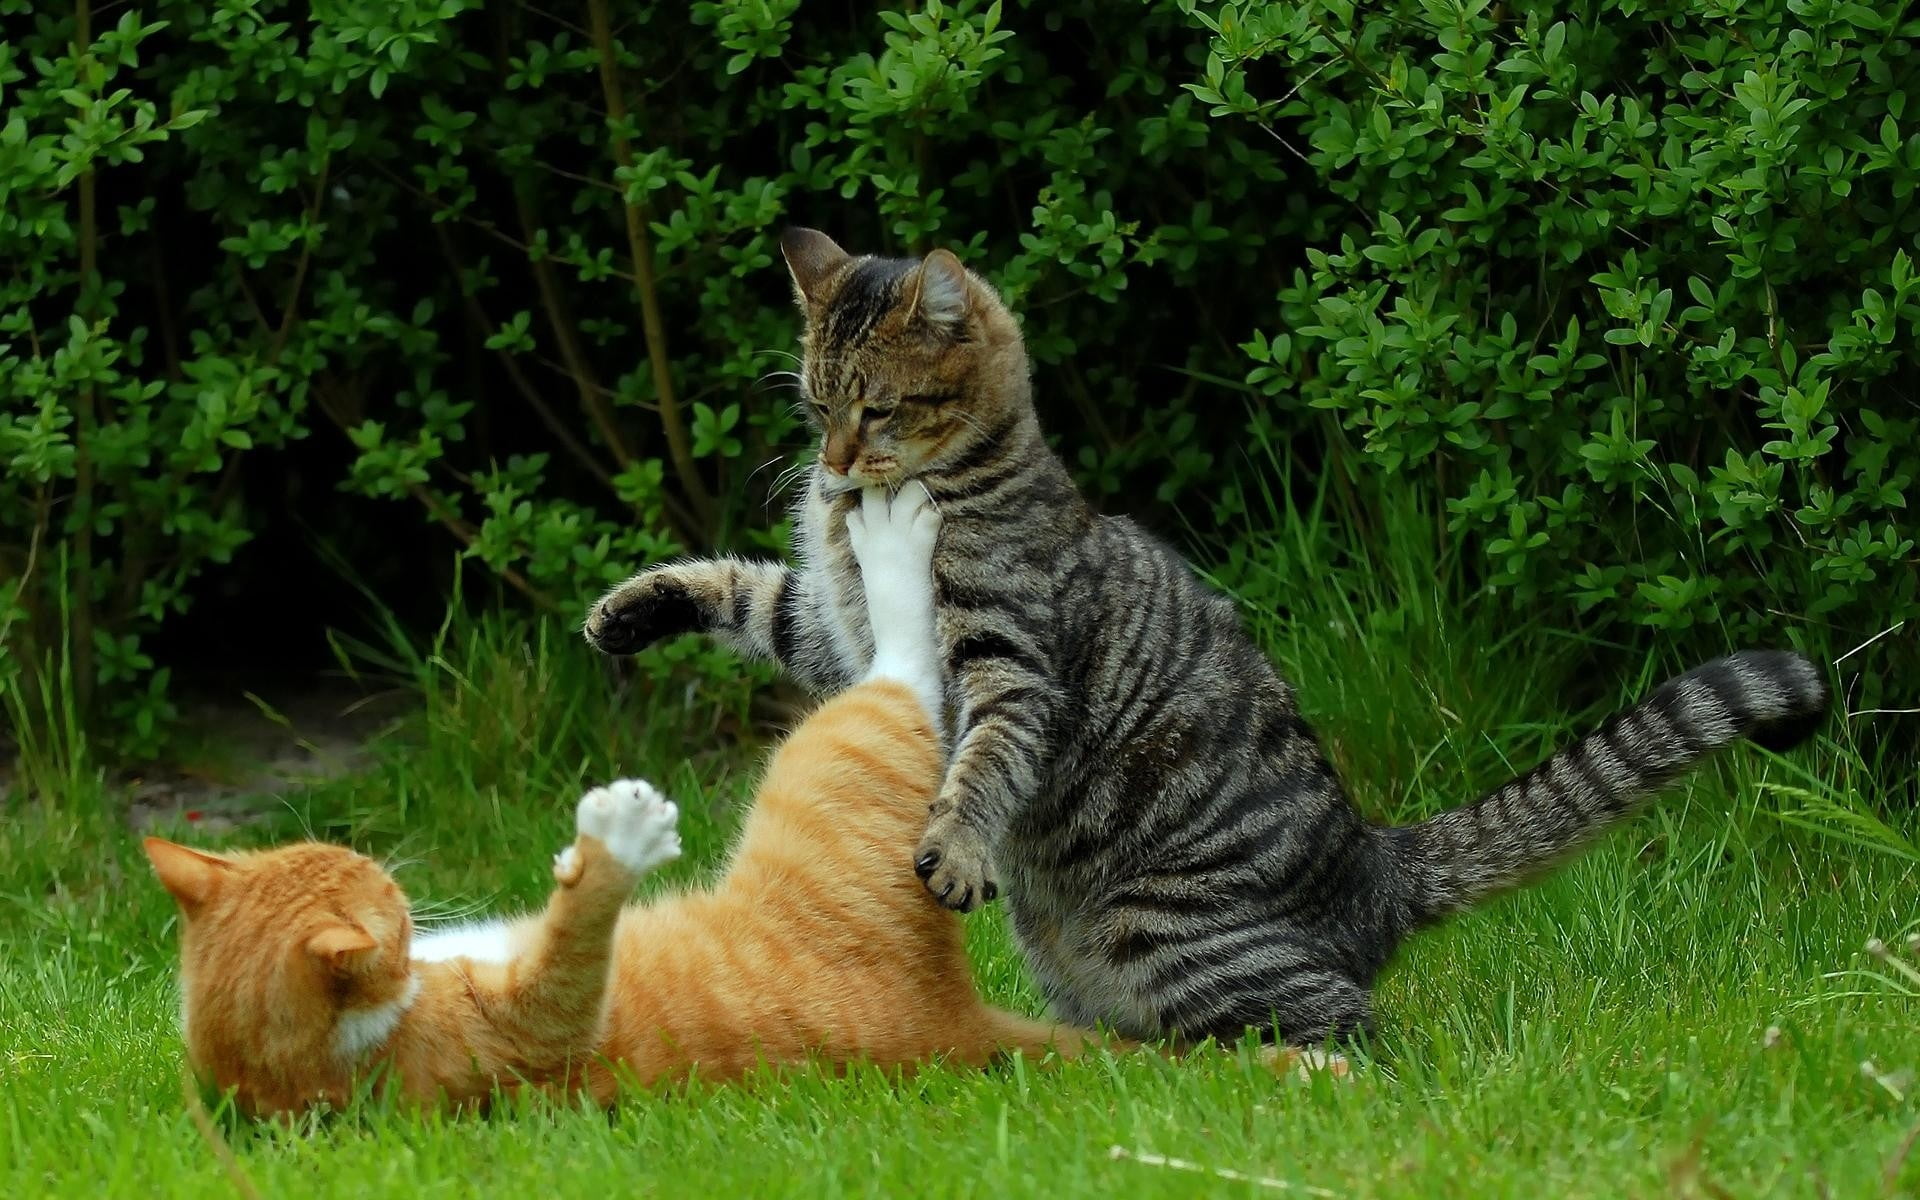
point(191, 875)
point(943, 295)
point(812, 257)
point(340, 946)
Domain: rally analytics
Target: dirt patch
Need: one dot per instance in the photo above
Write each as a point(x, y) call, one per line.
point(236, 758)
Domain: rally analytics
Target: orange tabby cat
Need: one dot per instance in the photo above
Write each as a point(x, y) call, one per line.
point(301, 972)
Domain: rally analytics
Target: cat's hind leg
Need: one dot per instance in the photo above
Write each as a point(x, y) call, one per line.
point(893, 540)
point(543, 1008)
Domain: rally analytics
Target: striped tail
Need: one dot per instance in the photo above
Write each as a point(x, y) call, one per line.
point(1774, 698)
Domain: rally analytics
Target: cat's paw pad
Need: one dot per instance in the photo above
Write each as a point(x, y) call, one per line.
point(638, 825)
point(953, 861)
point(651, 606)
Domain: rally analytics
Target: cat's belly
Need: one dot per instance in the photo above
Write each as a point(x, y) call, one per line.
point(1082, 983)
point(485, 941)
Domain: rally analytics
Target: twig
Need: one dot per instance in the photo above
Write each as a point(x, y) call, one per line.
point(300, 268)
point(598, 410)
point(1893, 628)
point(515, 375)
point(440, 512)
point(83, 474)
point(1122, 1154)
point(640, 251)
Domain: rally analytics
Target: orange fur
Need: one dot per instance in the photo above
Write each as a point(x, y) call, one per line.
point(816, 944)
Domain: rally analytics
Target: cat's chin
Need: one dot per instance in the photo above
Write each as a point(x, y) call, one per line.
point(835, 486)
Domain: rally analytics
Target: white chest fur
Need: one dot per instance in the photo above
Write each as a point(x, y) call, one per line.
point(834, 576)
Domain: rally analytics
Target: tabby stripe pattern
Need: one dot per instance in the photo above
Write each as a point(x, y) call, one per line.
point(1461, 856)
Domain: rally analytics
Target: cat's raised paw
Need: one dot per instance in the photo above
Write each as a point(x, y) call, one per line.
point(638, 825)
point(952, 860)
point(651, 606)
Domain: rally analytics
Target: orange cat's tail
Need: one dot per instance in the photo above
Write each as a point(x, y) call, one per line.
point(1010, 1034)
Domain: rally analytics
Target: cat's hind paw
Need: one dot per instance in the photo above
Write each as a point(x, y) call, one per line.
point(894, 534)
point(638, 826)
point(1305, 1062)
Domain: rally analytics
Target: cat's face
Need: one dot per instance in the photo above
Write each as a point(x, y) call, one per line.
point(909, 364)
point(291, 960)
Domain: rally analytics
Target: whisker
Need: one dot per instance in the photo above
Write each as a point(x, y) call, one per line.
point(971, 422)
point(794, 474)
point(431, 916)
point(787, 478)
point(784, 451)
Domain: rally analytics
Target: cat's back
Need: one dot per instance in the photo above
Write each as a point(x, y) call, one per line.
point(1136, 618)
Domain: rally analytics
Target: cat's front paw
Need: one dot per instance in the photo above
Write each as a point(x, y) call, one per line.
point(638, 826)
point(953, 861)
point(652, 605)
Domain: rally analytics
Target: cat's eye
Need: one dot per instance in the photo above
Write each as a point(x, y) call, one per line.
point(820, 410)
point(931, 399)
point(875, 413)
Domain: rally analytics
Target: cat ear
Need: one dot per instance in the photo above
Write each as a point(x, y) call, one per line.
point(813, 258)
point(340, 946)
point(191, 875)
point(942, 294)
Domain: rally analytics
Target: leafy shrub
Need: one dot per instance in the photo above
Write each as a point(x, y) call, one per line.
point(1628, 292)
point(518, 265)
point(1633, 289)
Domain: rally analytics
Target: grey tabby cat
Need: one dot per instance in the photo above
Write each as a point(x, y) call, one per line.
point(1177, 853)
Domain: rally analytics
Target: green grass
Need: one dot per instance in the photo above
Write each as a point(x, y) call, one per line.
point(1601, 1034)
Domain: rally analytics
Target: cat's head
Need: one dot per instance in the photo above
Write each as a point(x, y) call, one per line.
point(294, 966)
point(909, 363)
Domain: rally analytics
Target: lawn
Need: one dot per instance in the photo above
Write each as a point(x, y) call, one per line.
point(1685, 1010)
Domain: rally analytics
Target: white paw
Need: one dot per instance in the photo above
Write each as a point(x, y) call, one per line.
point(893, 540)
point(638, 825)
point(894, 536)
point(1305, 1061)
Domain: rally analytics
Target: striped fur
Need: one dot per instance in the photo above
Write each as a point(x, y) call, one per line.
point(1176, 851)
point(1459, 857)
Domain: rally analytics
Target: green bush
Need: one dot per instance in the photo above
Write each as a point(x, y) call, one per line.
point(518, 265)
point(1633, 290)
point(1625, 294)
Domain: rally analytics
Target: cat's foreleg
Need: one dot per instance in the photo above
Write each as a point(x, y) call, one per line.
point(1005, 684)
point(1003, 676)
point(548, 1001)
point(763, 610)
